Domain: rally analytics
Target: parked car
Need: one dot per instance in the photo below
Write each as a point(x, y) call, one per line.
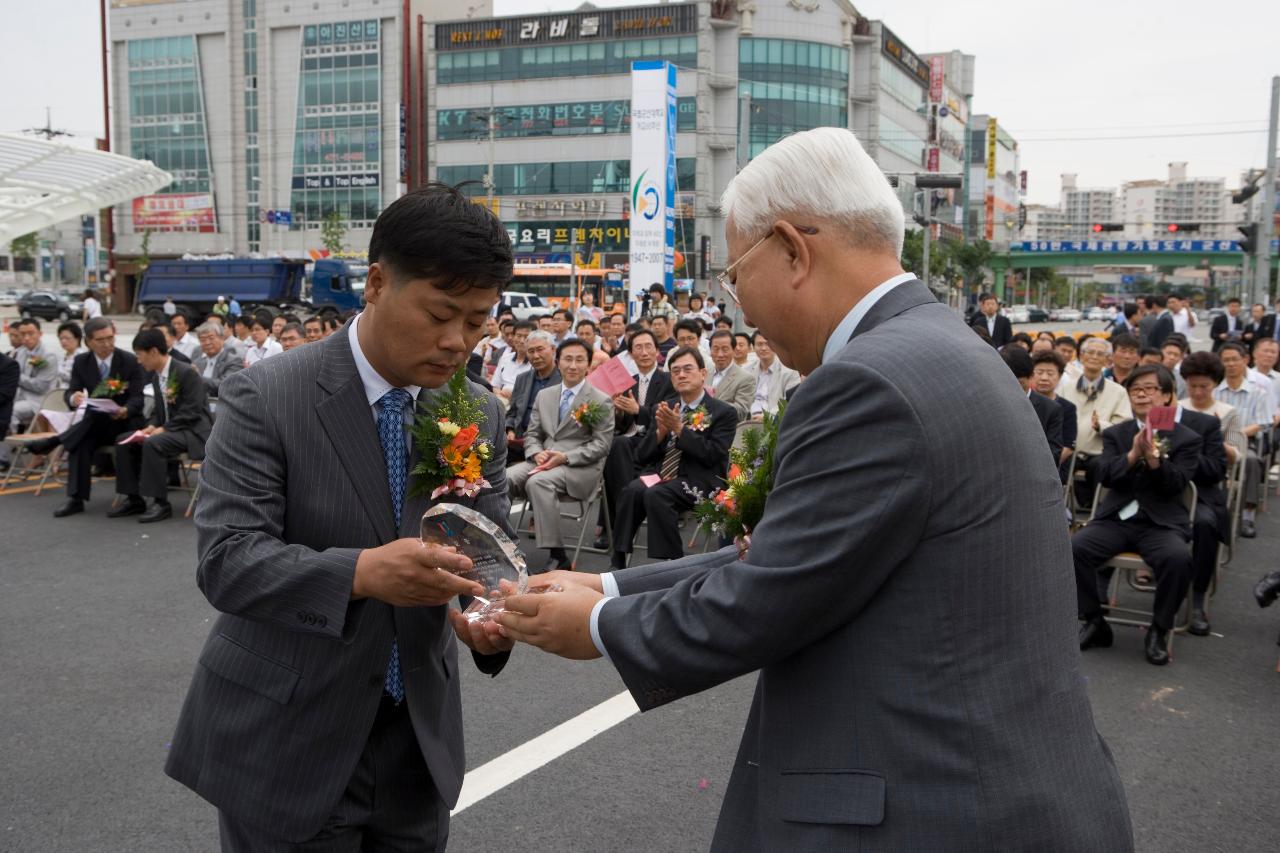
point(1035, 314)
point(525, 305)
point(47, 305)
point(1017, 314)
point(1067, 315)
point(9, 298)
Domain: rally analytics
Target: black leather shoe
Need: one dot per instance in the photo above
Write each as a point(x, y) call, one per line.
point(44, 446)
point(159, 512)
point(1266, 590)
point(600, 543)
point(71, 507)
point(1096, 633)
point(1199, 623)
point(1248, 530)
point(1157, 646)
point(131, 506)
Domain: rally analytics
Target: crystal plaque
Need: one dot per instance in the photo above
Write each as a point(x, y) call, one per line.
point(494, 557)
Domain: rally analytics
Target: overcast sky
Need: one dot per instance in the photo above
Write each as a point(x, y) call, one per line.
point(1113, 90)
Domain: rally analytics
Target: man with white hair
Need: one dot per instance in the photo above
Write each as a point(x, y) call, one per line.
point(908, 605)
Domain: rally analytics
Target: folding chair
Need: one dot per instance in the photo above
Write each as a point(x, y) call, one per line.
point(54, 402)
point(189, 471)
point(1128, 564)
point(1076, 476)
point(583, 518)
point(1235, 488)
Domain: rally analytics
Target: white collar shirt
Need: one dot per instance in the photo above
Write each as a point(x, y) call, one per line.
point(842, 332)
point(374, 385)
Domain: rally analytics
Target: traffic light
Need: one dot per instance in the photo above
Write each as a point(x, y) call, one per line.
point(1249, 237)
point(1175, 227)
point(1099, 227)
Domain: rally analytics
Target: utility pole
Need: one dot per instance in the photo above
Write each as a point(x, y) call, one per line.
point(928, 227)
point(493, 127)
point(1266, 223)
point(744, 130)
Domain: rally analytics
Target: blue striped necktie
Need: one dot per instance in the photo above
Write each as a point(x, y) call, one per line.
point(394, 450)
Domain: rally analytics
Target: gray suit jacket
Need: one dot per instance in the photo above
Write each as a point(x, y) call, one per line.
point(737, 388)
point(228, 361)
point(782, 380)
point(585, 448)
point(35, 382)
point(520, 400)
point(913, 621)
point(290, 679)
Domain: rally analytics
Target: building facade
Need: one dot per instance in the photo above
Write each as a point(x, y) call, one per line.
point(272, 115)
point(996, 184)
point(542, 104)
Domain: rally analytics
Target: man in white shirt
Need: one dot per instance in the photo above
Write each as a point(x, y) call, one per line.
point(1265, 353)
point(183, 341)
point(513, 362)
point(1100, 403)
point(1183, 320)
point(263, 344)
point(1236, 390)
point(773, 379)
point(92, 307)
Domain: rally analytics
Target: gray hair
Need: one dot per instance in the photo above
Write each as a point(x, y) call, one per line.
point(1102, 342)
point(539, 335)
point(209, 328)
point(824, 174)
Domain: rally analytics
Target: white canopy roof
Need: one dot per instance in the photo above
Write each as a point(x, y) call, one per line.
point(43, 182)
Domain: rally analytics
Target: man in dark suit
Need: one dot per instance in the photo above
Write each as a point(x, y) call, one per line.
point(1126, 321)
point(92, 373)
point(688, 448)
point(633, 412)
point(1048, 412)
point(179, 424)
point(1162, 326)
point(1229, 326)
point(1143, 512)
point(540, 349)
point(9, 374)
point(1267, 326)
point(997, 326)
point(893, 540)
point(325, 712)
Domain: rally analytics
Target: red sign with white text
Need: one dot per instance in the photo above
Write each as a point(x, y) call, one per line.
point(937, 68)
point(175, 212)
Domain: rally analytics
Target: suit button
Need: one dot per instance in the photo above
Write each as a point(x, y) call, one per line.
point(322, 621)
point(302, 617)
point(377, 680)
point(311, 619)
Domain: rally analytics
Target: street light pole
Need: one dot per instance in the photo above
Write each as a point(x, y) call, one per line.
point(1266, 222)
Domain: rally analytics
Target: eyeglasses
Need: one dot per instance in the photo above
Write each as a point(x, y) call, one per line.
point(725, 279)
point(1144, 390)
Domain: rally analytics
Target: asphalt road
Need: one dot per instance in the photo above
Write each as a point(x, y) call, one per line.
point(101, 623)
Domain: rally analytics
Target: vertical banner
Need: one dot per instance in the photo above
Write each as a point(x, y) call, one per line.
point(991, 148)
point(653, 175)
point(937, 72)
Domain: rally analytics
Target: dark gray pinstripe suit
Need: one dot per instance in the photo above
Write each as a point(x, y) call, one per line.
point(289, 682)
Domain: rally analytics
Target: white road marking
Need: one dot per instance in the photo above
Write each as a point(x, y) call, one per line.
point(489, 778)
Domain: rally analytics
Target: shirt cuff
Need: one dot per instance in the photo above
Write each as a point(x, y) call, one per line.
point(609, 586)
point(595, 629)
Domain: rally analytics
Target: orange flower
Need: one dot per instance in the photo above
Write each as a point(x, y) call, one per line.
point(734, 472)
point(471, 469)
point(465, 437)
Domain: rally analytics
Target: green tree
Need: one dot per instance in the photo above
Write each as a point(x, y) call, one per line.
point(913, 255)
point(144, 251)
point(25, 246)
point(972, 259)
point(333, 231)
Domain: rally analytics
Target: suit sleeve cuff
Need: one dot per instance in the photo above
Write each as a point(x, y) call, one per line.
point(609, 586)
point(595, 629)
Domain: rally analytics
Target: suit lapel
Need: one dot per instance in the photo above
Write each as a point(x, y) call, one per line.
point(345, 416)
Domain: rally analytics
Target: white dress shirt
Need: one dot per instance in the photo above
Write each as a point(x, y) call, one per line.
point(374, 385)
point(508, 371)
point(269, 348)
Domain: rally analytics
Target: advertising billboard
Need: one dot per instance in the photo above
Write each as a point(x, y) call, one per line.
point(175, 212)
point(653, 174)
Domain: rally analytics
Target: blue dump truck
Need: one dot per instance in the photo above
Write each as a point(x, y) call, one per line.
point(263, 288)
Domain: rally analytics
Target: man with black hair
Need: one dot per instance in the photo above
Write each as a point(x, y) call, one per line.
point(1046, 374)
point(291, 336)
point(660, 306)
point(513, 361)
point(1126, 321)
point(1143, 511)
point(1255, 417)
point(264, 346)
point(37, 376)
point(314, 328)
point(1161, 325)
point(1022, 340)
point(727, 381)
point(93, 373)
point(1229, 326)
point(561, 325)
point(999, 329)
point(687, 448)
point(563, 453)
point(1150, 355)
point(688, 333)
point(325, 711)
point(1124, 357)
point(660, 326)
point(1047, 411)
point(179, 423)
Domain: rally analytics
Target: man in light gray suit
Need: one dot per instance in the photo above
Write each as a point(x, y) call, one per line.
point(908, 603)
point(216, 359)
point(37, 376)
point(325, 711)
point(726, 381)
point(563, 456)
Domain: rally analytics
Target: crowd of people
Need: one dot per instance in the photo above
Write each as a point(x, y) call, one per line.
point(1092, 396)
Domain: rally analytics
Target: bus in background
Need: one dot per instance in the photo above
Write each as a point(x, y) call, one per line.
point(554, 283)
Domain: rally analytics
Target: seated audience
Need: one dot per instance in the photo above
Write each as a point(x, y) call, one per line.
point(37, 376)
point(1150, 355)
point(1021, 340)
point(183, 341)
point(1047, 411)
point(170, 339)
point(728, 382)
point(1236, 390)
point(215, 361)
point(542, 373)
point(687, 448)
point(773, 379)
point(314, 329)
point(71, 339)
point(1067, 347)
point(1172, 351)
point(1046, 373)
point(744, 354)
point(1100, 403)
point(179, 424)
point(264, 346)
point(93, 375)
point(8, 390)
point(1124, 358)
point(1143, 511)
point(588, 333)
point(291, 335)
point(563, 455)
point(660, 325)
point(513, 361)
